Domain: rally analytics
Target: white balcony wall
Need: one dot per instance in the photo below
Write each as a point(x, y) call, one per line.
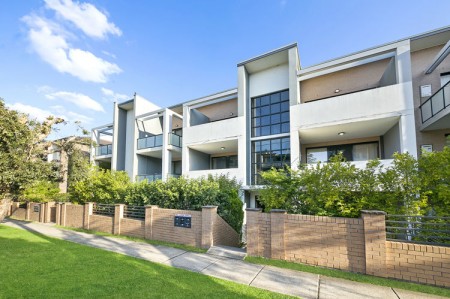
point(214, 131)
point(231, 172)
point(386, 163)
point(368, 104)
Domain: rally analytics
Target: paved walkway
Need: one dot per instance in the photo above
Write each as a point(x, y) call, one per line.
point(305, 285)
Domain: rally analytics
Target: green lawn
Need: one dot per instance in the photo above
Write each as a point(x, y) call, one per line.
point(352, 276)
point(36, 266)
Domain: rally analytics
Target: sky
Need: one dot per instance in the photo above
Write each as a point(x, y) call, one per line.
point(73, 59)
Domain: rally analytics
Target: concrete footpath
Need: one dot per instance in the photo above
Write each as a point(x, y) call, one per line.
point(217, 264)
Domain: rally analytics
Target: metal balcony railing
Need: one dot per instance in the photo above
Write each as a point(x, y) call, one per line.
point(150, 142)
point(149, 177)
point(175, 140)
point(436, 103)
point(103, 150)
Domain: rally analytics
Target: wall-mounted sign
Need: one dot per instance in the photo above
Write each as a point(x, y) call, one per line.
point(182, 220)
point(425, 91)
point(426, 148)
point(36, 208)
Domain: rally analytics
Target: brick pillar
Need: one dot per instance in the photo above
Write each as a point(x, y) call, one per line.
point(277, 248)
point(148, 221)
point(209, 214)
point(42, 212)
point(252, 230)
point(88, 208)
point(27, 213)
point(58, 213)
point(63, 214)
point(375, 242)
point(118, 215)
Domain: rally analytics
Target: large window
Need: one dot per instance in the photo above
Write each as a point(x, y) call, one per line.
point(269, 153)
point(270, 114)
point(224, 162)
point(351, 152)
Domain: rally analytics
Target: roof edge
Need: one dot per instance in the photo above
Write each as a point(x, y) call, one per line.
point(290, 46)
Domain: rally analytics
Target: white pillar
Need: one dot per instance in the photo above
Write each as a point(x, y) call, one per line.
point(166, 153)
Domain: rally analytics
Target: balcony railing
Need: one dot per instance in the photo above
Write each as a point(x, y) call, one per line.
point(149, 177)
point(436, 103)
point(175, 140)
point(150, 142)
point(103, 150)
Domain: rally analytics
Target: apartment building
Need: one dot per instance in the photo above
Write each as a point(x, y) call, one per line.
point(369, 104)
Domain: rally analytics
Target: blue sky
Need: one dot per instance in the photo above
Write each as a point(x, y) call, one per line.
point(75, 58)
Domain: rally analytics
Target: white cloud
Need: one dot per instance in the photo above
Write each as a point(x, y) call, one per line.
point(78, 99)
point(70, 115)
point(85, 16)
point(34, 112)
point(113, 96)
point(49, 40)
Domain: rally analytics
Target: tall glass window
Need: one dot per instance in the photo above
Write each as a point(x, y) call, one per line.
point(270, 114)
point(269, 153)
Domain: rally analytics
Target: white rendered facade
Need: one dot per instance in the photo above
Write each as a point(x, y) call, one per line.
point(365, 104)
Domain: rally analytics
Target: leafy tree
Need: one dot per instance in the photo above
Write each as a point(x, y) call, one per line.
point(22, 151)
point(102, 186)
point(41, 191)
point(434, 172)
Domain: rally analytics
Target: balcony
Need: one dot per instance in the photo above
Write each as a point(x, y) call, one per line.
point(149, 177)
point(103, 150)
point(154, 177)
point(175, 140)
point(217, 130)
point(150, 142)
point(435, 111)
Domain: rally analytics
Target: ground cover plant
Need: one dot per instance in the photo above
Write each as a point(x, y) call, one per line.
point(36, 266)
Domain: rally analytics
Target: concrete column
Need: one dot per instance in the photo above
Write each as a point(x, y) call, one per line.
point(88, 209)
point(407, 127)
point(209, 214)
point(277, 247)
point(375, 242)
point(295, 147)
point(63, 214)
point(115, 146)
point(252, 230)
point(27, 214)
point(118, 215)
point(166, 154)
point(148, 221)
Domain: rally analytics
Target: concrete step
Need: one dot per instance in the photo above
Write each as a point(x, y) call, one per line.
point(228, 252)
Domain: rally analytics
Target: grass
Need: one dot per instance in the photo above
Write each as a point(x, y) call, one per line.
point(136, 239)
point(352, 276)
point(36, 266)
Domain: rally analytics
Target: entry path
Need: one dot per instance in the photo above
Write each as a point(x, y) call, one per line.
point(295, 283)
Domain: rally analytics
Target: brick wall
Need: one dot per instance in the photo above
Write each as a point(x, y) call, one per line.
point(356, 245)
point(74, 216)
point(325, 241)
point(163, 228)
point(207, 228)
point(418, 263)
point(101, 223)
point(35, 216)
point(5, 208)
point(224, 234)
point(132, 227)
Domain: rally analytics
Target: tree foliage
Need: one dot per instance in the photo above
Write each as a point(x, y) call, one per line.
point(409, 186)
point(41, 191)
point(22, 151)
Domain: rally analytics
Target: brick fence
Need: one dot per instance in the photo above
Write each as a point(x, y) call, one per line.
point(207, 227)
point(4, 208)
point(350, 244)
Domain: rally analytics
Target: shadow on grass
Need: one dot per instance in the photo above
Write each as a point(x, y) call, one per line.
point(38, 266)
